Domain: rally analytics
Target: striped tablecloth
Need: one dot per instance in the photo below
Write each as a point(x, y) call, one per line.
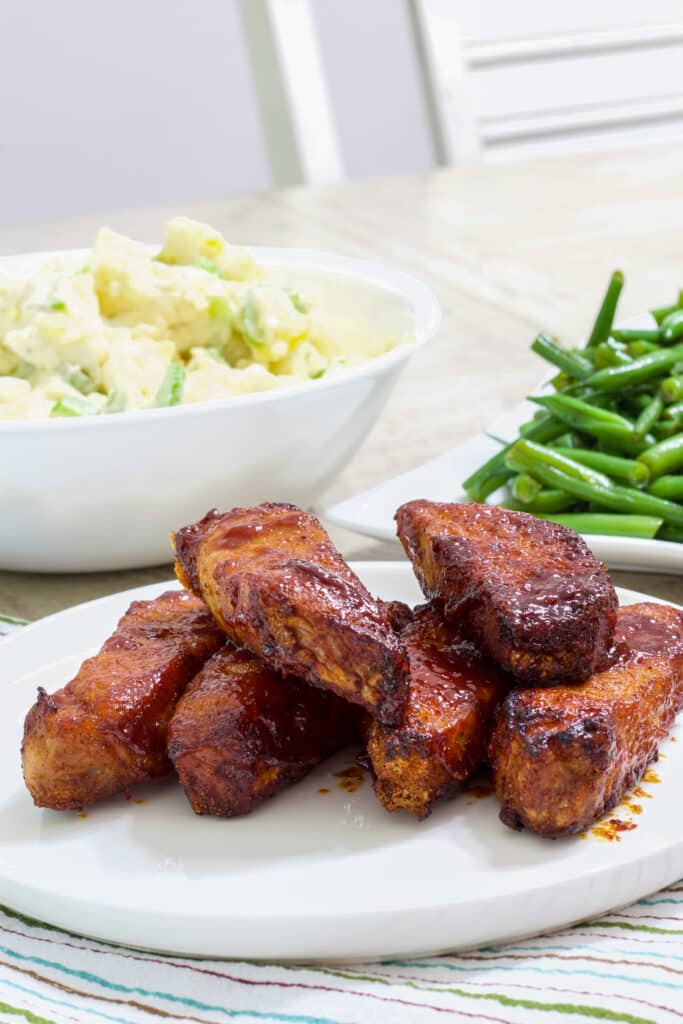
point(626, 967)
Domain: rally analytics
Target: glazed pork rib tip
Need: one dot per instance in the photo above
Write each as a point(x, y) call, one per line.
point(448, 720)
point(242, 732)
point(106, 729)
point(562, 756)
point(277, 586)
point(528, 592)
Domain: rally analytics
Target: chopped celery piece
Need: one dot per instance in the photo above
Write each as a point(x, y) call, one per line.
point(208, 265)
point(74, 376)
point(337, 361)
point(73, 405)
point(217, 355)
point(57, 306)
point(299, 305)
point(171, 389)
point(251, 323)
point(117, 401)
point(220, 309)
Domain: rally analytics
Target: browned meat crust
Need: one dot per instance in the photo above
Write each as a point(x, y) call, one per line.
point(106, 729)
point(242, 732)
point(277, 586)
point(565, 755)
point(528, 592)
point(445, 731)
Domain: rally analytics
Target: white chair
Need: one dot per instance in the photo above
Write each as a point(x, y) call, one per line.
point(291, 90)
point(500, 80)
point(512, 80)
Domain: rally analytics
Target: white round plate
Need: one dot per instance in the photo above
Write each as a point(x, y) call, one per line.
point(308, 876)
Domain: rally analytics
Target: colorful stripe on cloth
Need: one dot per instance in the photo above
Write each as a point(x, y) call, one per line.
point(626, 967)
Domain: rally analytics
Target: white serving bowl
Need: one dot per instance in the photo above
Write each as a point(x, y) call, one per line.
point(104, 492)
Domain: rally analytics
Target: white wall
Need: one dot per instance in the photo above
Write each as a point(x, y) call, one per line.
point(111, 105)
point(370, 60)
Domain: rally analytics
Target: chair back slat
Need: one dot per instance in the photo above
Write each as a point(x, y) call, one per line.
point(297, 118)
point(549, 79)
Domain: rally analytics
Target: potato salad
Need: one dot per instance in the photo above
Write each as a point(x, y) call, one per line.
point(132, 328)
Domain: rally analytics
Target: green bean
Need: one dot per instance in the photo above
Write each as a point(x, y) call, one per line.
point(671, 390)
point(614, 378)
point(649, 416)
point(572, 363)
point(578, 412)
point(558, 472)
point(631, 470)
point(636, 401)
point(642, 348)
point(664, 311)
point(561, 381)
point(664, 429)
point(609, 524)
point(664, 456)
point(171, 388)
point(494, 473)
point(618, 440)
point(545, 501)
point(598, 399)
point(670, 487)
point(530, 424)
point(606, 426)
point(567, 440)
point(490, 485)
point(673, 533)
point(636, 334)
point(671, 326)
point(524, 488)
point(532, 457)
point(605, 318)
point(610, 353)
point(630, 409)
point(674, 412)
point(488, 477)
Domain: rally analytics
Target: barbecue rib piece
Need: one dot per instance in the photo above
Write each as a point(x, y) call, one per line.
point(528, 592)
point(277, 586)
point(241, 732)
point(448, 720)
point(106, 729)
point(562, 756)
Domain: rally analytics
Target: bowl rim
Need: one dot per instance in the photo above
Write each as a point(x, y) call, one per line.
point(425, 308)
